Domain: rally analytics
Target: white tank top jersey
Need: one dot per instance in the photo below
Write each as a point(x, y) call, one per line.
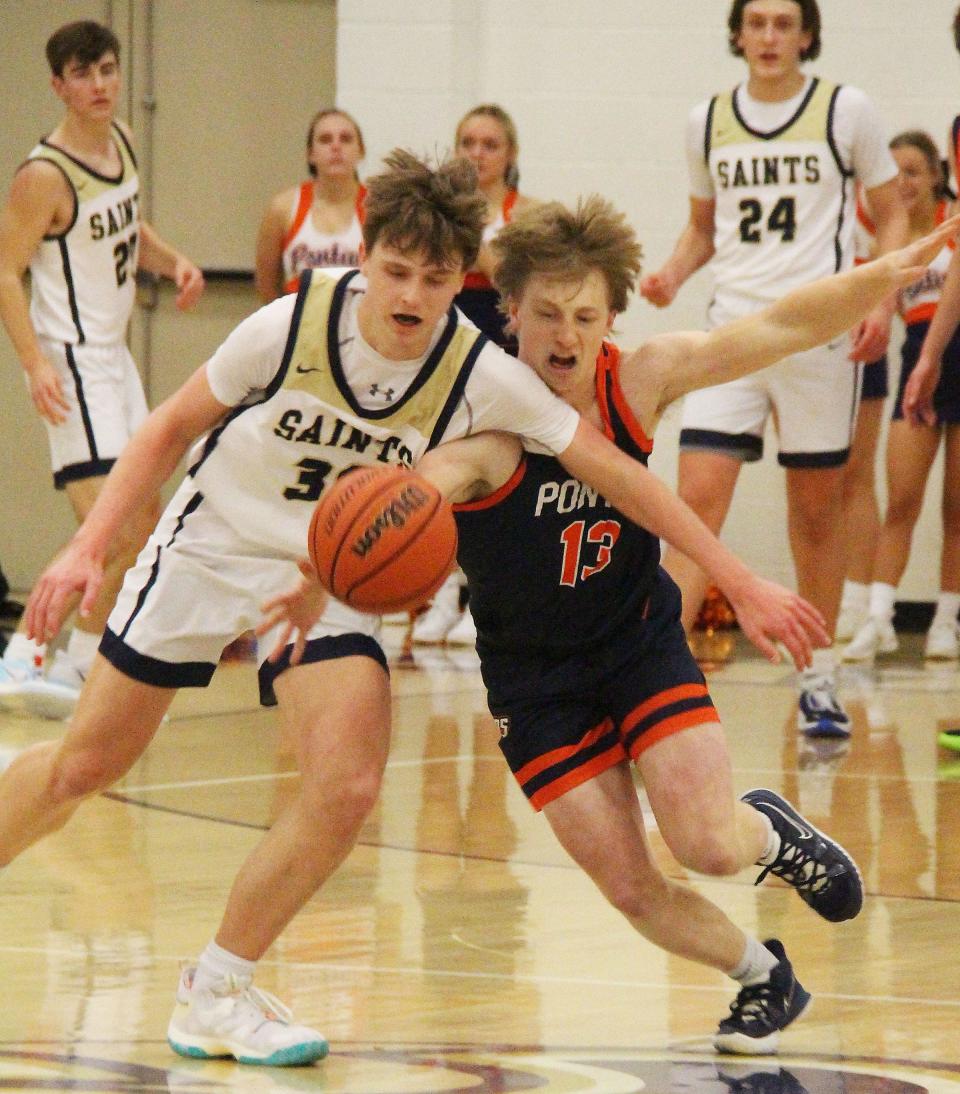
point(83, 280)
point(918, 302)
point(782, 176)
point(311, 400)
point(305, 248)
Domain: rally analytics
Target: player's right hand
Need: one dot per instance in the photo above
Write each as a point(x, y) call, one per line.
point(295, 612)
point(54, 595)
point(658, 290)
point(46, 391)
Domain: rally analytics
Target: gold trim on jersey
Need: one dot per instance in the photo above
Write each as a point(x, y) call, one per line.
point(810, 123)
point(87, 184)
point(309, 368)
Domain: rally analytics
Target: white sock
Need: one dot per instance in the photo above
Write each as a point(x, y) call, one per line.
point(217, 964)
point(856, 596)
point(82, 648)
point(822, 663)
point(772, 847)
point(755, 965)
point(883, 597)
point(21, 648)
point(948, 605)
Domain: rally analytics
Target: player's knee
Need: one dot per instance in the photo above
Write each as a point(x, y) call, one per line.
point(351, 797)
point(80, 773)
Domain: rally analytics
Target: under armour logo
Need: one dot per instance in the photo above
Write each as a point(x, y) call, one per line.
point(387, 393)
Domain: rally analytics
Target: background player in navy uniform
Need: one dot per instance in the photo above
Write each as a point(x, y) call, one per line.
point(772, 168)
point(368, 368)
point(579, 633)
point(73, 218)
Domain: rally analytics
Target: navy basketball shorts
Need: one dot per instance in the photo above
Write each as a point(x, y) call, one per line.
point(566, 717)
point(946, 397)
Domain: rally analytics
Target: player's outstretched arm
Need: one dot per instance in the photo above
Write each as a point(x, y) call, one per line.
point(150, 457)
point(807, 317)
point(767, 613)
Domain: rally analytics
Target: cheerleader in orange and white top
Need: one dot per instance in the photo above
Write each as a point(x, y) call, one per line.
point(912, 447)
point(319, 222)
point(860, 506)
point(487, 137)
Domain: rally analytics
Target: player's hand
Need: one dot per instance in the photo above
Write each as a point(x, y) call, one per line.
point(46, 391)
point(769, 614)
point(871, 337)
point(189, 281)
point(658, 289)
point(918, 393)
point(295, 612)
point(53, 596)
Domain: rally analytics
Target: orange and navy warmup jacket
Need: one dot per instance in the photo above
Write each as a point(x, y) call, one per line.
point(551, 565)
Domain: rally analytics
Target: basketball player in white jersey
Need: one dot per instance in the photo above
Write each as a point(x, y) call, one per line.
point(73, 218)
point(773, 166)
point(372, 367)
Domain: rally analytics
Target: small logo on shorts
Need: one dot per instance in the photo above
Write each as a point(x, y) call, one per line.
point(503, 724)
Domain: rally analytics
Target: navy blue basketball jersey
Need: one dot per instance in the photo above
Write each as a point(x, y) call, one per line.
point(550, 563)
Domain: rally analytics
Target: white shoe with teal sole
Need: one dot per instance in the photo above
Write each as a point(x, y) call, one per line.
point(233, 1018)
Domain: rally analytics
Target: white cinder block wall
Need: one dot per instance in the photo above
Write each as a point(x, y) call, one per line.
point(600, 92)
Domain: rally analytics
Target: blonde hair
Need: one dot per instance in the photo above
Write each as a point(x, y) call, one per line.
point(566, 244)
point(493, 110)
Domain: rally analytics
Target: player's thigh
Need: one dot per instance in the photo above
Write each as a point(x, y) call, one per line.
point(689, 783)
point(861, 466)
point(82, 493)
point(115, 719)
point(337, 712)
point(600, 825)
point(816, 396)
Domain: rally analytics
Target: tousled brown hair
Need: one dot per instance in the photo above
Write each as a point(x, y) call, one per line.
point(566, 244)
point(415, 207)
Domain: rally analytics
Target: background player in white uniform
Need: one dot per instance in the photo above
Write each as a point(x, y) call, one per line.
point(319, 222)
point(772, 201)
point(284, 408)
point(73, 217)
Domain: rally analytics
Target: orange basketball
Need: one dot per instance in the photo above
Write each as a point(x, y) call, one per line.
point(382, 539)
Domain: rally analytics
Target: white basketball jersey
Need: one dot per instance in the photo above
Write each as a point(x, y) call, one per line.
point(785, 207)
point(84, 279)
point(309, 428)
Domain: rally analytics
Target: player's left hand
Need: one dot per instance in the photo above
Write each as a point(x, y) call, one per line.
point(769, 613)
point(918, 392)
point(295, 612)
point(189, 281)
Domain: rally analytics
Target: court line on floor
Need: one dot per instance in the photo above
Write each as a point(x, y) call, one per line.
point(526, 978)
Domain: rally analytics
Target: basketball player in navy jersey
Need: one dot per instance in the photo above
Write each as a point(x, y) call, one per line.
point(579, 635)
point(369, 367)
point(773, 165)
point(73, 217)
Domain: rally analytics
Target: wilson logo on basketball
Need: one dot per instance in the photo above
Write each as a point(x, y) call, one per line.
point(395, 515)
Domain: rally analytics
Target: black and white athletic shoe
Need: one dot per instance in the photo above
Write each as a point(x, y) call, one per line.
point(821, 871)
